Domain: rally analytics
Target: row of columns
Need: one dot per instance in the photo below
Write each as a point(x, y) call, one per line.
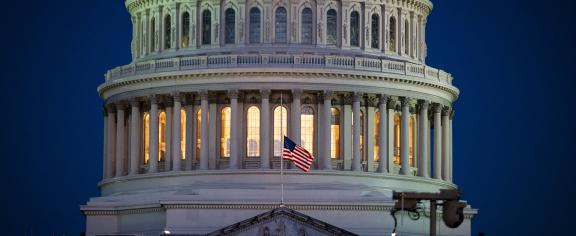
point(115, 128)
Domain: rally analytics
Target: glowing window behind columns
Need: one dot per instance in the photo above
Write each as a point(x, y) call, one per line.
point(225, 132)
point(161, 136)
point(198, 132)
point(253, 132)
point(307, 128)
point(280, 114)
point(397, 138)
point(376, 135)
point(335, 134)
point(146, 135)
point(183, 133)
point(411, 141)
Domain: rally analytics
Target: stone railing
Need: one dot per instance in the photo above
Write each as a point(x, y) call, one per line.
point(279, 61)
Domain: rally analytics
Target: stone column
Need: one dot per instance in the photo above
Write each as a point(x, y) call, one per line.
point(111, 141)
point(437, 142)
point(105, 144)
point(295, 133)
point(423, 168)
point(405, 137)
point(177, 134)
point(265, 130)
point(190, 134)
point(369, 134)
point(134, 137)
point(204, 130)
point(120, 140)
point(168, 152)
point(383, 135)
point(326, 158)
point(234, 126)
point(450, 148)
point(445, 144)
point(153, 159)
point(357, 123)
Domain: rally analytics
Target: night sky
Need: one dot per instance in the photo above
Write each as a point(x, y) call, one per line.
point(513, 130)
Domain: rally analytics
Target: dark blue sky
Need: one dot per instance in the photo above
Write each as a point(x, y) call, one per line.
point(513, 132)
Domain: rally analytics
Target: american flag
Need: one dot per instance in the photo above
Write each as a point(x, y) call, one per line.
point(300, 156)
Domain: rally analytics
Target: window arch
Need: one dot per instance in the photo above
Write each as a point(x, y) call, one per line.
point(183, 133)
point(280, 128)
point(230, 26)
point(307, 128)
point(153, 35)
point(375, 40)
point(185, 30)
point(162, 136)
point(146, 136)
point(406, 37)
point(167, 32)
point(335, 134)
point(392, 35)
point(306, 26)
point(397, 138)
point(255, 25)
point(411, 140)
point(225, 115)
point(198, 133)
point(206, 27)
point(355, 29)
point(331, 27)
point(376, 135)
point(281, 28)
point(253, 132)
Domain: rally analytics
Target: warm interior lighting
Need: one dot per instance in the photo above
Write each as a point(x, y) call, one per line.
point(253, 132)
point(335, 134)
point(280, 114)
point(225, 115)
point(307, 128)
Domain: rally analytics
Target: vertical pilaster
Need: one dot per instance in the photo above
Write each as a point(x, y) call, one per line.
point(423, 168)
point(177, 134)
point(234, 126)
point(153, 161)
point(445, 144)
point(383, 135)
point(120, 139)
point(134, 137)
point(356, 124)
point(405, 137)
point(204, 130)
point(326, 158)
point(265, 129)
point(437, 142)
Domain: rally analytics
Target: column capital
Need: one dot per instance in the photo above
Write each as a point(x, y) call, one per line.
point(392, 102)
point(424, 104)
point(406, 101)
point(437, 107)
point(265, 93)
point(383, 99)
point(203, 94)
point(452, 113)
point(153, 99)
point(327, 94)
point(134, 102)
point(357, 96)
point(177, 96)
point(296, 93)
point(120, 106)
point(446, 111)
point(233, 94)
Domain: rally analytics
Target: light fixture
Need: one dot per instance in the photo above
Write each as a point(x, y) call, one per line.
point(167, 232)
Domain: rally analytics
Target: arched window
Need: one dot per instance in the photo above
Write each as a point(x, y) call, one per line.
point(253, 132)
point(397, 139)
point(162, 136)
point(331, 27)
point(183, 133)
point(376, 135)
point(280, 128)
point(392, 36)
point(254, 25)
point(198, 133)
point(306, 26)
point(230, 27)
point(411, 141)
point(335, 134)
point(375, 42)
point(281, 27)
point(354, 29)
point(307, 128)
point(153, 34)
point(185, 30)
point(406, 36)
point(146, 136)
point(225, 115)
point(206, 27)
point(167, 32)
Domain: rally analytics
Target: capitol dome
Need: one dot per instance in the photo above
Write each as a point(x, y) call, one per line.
point(193, 126)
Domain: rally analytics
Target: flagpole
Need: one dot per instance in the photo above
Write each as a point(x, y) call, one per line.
point(281, 156)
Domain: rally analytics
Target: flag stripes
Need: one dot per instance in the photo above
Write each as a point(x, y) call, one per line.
point(297, 154)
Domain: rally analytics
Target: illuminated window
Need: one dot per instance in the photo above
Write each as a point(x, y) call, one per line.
point(306, 24)
point(162, 136)
point(280, 114)
point(376, 135)
point(354, 29)
point(225, 132)
point(198, 133)
point(254, 25)
point(206, 27)
point(281, 25)
point(392, 36)
point(375, 31)
point(167, 31)
point(331, 26)
point(153, 35)
point(185, 30)
point(335, 134)
point(406, 36)
point(253, 132)
point(307, 128)
point(183, 133)
point(397, 138)
point(146, 121)
point(230, 27)
point(412, 134)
